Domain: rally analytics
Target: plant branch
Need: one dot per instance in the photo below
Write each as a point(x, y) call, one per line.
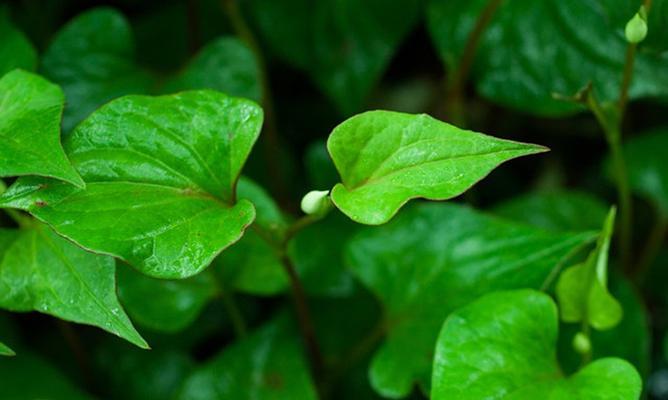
point(271, 143)
point(236, 317)
point(652, 247)
point(456, 83)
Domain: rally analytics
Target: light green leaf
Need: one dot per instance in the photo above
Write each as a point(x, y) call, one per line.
point(16, 51)
point(472, 362)
point(174, 304)
point(30, 109)
point(648, 167)
point(226, 65)
point(578, 41)
point(29, 377)
point(92, 59)
point(5, 350)
point(43, 272)
point(267, 365)
point(345, 46)
point(387, 158)
point(160, 175)
point(560, 210)
point(582, 289)
point(433, 258)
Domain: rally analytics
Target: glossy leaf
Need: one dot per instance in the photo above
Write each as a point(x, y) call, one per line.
point(16, 51)
point(648, 167)
point(92, 59)
point(226, 65)
point(434, 258)
point(30, 109)
point(164, 305)
point(267, 365)
point(29, 377)
point(582, 289)
point(344, 46)
point(43, 272)
point(5, 350)
point(556, 211)
point(160, 174)
point(579, 41)
point(472, 362)
point(387, 158)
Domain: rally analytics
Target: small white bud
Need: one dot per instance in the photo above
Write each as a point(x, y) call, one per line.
point(316, 202)
point(581, 343)
point(636, 29)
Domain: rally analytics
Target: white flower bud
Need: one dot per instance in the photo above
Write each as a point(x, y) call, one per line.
point(316, 202)
point(636, 29)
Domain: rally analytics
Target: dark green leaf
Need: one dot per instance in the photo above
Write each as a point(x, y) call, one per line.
point(5, 350)
point(92, 58)
point(30, 109)
point(578, 41)
point(582, 289)
point(434, 258)
point(226, 65)
point(344, 45)
point(160, 174)
point(556, 211)
point(503, 346)
point(164, 305)
point(648, 167)
point(267, 365)
point(28, 377)
point(387, 158)
point(43, 272)
point(15, 49)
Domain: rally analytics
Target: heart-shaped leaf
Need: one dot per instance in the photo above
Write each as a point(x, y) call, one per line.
point(16, 51)
point(387, 158)
point(30, 109)
point(92, 59)
point(433, 258)
point(5, 350)
point(582, 289)
point(267, 365)
point(174, 304)
point(160, 177)
point(502, 346)
point(647, 164)
point(579, 41)
point(43, 272)
point(344, 45)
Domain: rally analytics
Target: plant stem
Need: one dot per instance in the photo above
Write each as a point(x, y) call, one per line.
point(455, 87)
point(306, 325)
point(236, 317)
point(271, 143)
point(74, 343)
point(626, 79)
point(193, 26)
point(652, 247)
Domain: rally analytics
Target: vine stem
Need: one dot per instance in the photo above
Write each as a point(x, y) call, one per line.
point(652, 247)
point(272, 143)
point(455, 87)
point(236, 317)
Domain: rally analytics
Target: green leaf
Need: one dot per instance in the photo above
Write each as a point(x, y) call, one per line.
point(174, 304)
point(16, 51)
point(503, 346)
point(252, 265)
point(648, 167)
point(433, 258)
point(43, 272)
point(226, 65)
point(160, 177)
point(29, 377)
point(267, 365)
point(5, 350)
point(30, 109)
point(345, 46)
point(582, 289)
point(579, 41)
point(387, 158)
point(92, 59)
point(560, 210)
